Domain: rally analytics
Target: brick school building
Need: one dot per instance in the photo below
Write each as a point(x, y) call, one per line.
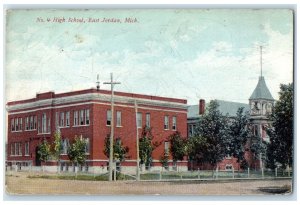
point(87, 113)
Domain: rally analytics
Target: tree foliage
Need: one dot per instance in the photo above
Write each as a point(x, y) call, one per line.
point(164, 160)
point(57, 145)
point(238, 134)
point(146, 146)
point(280, 149)
point(76, 151)
point(178, 146)
point(119, 150)
point(44, 151)
point(196, 147)
point(210, 137)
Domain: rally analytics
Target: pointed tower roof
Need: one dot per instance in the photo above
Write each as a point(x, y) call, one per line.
point(261, 91)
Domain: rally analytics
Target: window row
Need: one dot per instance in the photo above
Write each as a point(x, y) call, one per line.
point(139, 120)
point(166, 122)
point(109, 118)
point(44, 123)
point(66, 144)
point(17, 123)
point(16, 149)
point(81, 117)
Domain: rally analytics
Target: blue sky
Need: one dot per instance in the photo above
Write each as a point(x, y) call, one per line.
point(191, 54)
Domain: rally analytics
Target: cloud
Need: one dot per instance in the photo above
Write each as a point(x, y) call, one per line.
point(155, 67)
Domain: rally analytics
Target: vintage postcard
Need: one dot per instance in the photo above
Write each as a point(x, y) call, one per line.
point(149, 102)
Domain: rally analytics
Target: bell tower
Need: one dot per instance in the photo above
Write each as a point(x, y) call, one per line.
point(261, 104)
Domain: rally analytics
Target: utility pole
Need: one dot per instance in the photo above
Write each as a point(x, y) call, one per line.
point(137, 144)
point(98, 82)
point(111, 140)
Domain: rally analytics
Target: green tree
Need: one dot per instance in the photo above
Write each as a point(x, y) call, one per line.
point(164, 160)
point(146, 146)
point(77, 151)
point(238, 134)
point(120, 151)
point(178, 146)
point(57, 146)
point(280, 148)
point(211, 132)
point(44, 152)
point(196, 148)
point(257, 147)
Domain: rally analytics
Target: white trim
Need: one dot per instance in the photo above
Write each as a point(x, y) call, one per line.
point(30, 130)
point(98, 103)
point(63, 127)
point(16, 131)
point(48, 133)
point(79, 126)
point(95, 96)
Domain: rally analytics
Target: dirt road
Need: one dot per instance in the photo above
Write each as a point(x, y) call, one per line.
point(20, 184)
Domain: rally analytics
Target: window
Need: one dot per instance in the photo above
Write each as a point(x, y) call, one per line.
point(26, 123)
point(12, 122)
point(62, 119)
point(174, 125)
point(139, 119)
point(16, 124)
point(228, 167)
point(57, 119)
point(75, 118)
point(39, 124)
point(256, 130)
point(31, 123)
point(119, 119)
point(49, 125)
point(44, 123)
point(81, 117)
point(16, 149)
point(65, 144)
point(34, 122)
point(67, 119)
point(148, 120)
point(12, 151)
point(87, 145)
point(108, 117)
point(191, 130)
point(167, 148)
point(27, 148)
point(87, 116)
point(166, 122)
point(21, 124)
point(20, 149)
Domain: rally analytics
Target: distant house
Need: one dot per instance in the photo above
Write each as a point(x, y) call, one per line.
point(260, 106)
point(225, 107)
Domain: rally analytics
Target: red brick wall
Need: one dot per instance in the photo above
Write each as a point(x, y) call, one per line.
point(98, 130)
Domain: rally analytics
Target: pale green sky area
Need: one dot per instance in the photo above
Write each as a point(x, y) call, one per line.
point(191, 54)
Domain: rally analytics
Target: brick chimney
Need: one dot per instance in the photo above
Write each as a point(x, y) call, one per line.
point(201, 106)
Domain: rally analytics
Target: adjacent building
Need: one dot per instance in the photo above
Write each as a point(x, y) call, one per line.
point(260, 106)
point(87, 113)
